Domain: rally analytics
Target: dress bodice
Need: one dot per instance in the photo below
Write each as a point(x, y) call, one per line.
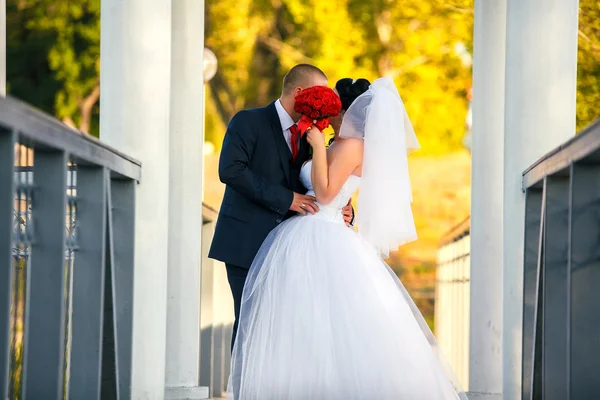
point(333, 210)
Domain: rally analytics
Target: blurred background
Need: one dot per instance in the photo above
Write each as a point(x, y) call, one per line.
point(53, 61)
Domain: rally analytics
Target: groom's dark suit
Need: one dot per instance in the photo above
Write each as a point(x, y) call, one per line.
point(260, 177)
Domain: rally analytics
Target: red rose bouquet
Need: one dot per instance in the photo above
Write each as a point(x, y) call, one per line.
point(316, 104)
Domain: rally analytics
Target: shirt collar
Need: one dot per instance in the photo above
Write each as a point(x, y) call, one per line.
point(284, 118)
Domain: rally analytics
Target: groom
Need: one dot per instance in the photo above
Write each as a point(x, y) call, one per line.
point(260, 164)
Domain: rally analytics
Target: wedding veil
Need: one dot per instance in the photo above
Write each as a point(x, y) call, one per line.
point(384, 218)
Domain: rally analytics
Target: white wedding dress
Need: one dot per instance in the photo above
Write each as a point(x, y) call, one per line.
point(323, 317)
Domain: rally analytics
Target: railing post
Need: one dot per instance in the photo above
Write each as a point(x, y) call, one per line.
point(43, 370)
point(537, 357)
point(555, 288)
point(88, 284)
point(7, 198)
point(533, 213)
point(583, 293)
point(121, 234)
point(206, 311)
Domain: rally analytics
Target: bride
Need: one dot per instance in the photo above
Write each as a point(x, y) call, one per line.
point(322, 315)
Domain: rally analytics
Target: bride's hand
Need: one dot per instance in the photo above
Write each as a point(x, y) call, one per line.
point(315, 138)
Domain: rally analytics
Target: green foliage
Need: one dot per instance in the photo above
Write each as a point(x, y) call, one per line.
point(588, 59)
point(53, 51)
point(29, 76)
point(415, 42)
point(66, 37)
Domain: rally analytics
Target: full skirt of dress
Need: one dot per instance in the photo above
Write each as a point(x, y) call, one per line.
point(324, 317)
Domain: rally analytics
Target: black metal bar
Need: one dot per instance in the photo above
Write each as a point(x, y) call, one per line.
point(7, 198)
point(227, 334)
point(45, 328)
point(585, 281)
point(569, 268)
point(88, 284)
point(219, 355)
point(45, 130)
point(556, 234)
point(206, 312)
point(109, 365)
point(122, 234)
point(536, 376)
point(533, 213)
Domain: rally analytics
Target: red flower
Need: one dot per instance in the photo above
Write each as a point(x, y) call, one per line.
point(317, 103)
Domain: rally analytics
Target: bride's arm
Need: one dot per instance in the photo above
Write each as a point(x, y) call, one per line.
point(327, 179)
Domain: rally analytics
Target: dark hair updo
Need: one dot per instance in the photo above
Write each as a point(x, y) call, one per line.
point(350, 89)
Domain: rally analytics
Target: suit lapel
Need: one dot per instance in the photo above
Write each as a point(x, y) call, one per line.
point(285, 154)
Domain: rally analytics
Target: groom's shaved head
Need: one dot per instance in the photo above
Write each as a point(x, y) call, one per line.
point(304, 76)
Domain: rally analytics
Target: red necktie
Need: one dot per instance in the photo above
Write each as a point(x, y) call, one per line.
point(294, 140)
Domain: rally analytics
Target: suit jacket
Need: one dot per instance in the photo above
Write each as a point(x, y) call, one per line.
point(260, 177)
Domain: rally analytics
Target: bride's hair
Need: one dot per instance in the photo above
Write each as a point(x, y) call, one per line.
point(349, 89)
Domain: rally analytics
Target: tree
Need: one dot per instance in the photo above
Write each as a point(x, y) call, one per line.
point(415, 42)
point(53, 51)
point(29, 76)
point(68, 34)
point(588, 59)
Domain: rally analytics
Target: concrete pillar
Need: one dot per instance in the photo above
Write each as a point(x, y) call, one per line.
point(485, 343)
point(135, 85)
point(185, 201)
point(541, 78)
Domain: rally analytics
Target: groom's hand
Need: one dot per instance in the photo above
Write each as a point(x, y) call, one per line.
point(348, 213)
point(303, 204)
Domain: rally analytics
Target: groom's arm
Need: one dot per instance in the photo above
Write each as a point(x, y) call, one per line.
point(238, 147)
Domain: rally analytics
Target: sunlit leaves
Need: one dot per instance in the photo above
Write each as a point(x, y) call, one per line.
point(413, 41)
point(588, 68)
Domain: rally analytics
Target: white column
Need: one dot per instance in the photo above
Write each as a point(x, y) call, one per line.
point(541, 77)
point(135, 86)
point(3, 41)
point(185, 201)
point(485, 343)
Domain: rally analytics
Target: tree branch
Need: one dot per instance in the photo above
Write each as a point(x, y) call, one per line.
point(459, 9)
point(217, 86)
point(415, 62)
point(585, 37)
point(85, 108)
point(68, 121)
point(278, 47)
point(383, 23)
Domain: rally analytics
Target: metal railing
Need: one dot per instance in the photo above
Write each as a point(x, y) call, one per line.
point(452, 299)
point(66, 260)
point(216, 315)
point(561, 328)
